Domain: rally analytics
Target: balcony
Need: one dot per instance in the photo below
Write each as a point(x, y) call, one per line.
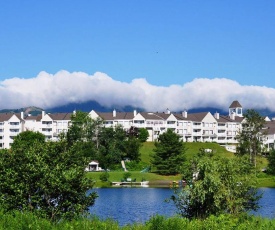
point(47, 125)
point(221, 134)
point(140, 125)
point(197, 133)
point(15, 126)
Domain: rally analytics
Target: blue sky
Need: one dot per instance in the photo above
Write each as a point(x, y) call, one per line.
point(164, 42)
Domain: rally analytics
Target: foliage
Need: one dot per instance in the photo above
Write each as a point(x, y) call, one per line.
point(217, 186)
point(271, 162)
point(83, 128)
point(169, 153)
point(132, 149)
point(250, 136)
point(108, 145)
point(25, 139)
point(45, 178)
point(111, 146)
point(127, 175)
point(153, 178)
point(135, 165)
point(143, 134)
point(104, 176)
point(25, 220)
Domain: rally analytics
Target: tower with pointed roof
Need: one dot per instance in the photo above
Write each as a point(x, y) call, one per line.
point(235, 109)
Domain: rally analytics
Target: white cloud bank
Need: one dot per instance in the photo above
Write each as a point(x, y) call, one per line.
point(51, 90)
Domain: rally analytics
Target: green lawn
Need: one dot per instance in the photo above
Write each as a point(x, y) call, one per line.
point(116, 176)
point(191, 149)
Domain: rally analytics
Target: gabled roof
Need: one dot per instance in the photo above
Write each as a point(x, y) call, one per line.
point(31, 118)
point(7, 116)
point(60, 116)
point(269, 127)
point(197, 116)
point(119, 116)
point(151, 116)
point(53, 116)
point(235, 104)
point(223, 119)
point(180, 117)
point(228, 119)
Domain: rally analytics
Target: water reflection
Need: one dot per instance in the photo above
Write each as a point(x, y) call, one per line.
point(267, 203)
point(130, 205)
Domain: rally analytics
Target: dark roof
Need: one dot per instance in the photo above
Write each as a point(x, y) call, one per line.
point(31, 118)
point(151, 116)
point(197, 116)
point(7, 116)
point(119, 116)
point(269, 127)
point(235, 104)
point(228, 119)
point(54, 116)
point(60, 116)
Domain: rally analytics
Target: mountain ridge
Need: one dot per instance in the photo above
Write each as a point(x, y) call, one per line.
point(93, 105)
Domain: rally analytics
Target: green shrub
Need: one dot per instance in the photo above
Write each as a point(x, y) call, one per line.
point(104, 176)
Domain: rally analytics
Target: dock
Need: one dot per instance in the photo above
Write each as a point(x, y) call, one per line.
point(131, 183)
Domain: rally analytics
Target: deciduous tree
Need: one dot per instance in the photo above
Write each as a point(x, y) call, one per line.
point(250, 136)
point(217, 186)
point(47, 178)
point(143, 134)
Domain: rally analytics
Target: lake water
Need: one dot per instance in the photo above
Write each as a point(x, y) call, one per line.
point(130, 205)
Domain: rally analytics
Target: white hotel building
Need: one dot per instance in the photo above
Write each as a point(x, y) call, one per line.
point(201, 127)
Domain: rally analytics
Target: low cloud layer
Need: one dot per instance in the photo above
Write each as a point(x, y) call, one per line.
point(51, 90)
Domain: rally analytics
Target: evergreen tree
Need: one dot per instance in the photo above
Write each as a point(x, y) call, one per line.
point(271, 162)
point(168, 154)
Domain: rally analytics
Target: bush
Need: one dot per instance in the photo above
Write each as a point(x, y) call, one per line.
point(104, 176)
point(126, 175)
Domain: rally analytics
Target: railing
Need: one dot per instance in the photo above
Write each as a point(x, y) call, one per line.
point(47, 125)
point(47, 132)
point(15, 126)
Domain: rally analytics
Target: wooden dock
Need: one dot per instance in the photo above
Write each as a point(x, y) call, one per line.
point(131, 183)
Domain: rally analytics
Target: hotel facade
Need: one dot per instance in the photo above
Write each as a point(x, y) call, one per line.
point(193, 127)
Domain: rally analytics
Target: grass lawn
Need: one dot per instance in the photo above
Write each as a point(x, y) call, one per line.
point(116, 176)
point(191, 149)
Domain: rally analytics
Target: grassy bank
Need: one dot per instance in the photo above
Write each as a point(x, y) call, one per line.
point(24, 220)
point(193, 148)
point(118, 175)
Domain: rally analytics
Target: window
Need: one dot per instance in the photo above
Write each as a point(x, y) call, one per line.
point(139, 121)
point(46, 122)
point(14, 123)
point(14, 130)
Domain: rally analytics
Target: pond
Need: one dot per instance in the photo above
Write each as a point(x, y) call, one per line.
point(130, 205)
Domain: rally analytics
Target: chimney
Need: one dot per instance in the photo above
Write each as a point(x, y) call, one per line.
point(114, 113)
point(217, 115)
point(22, 115)
point(184, 114)
point(167, 111)
point(135, 113)
point(43, 114)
